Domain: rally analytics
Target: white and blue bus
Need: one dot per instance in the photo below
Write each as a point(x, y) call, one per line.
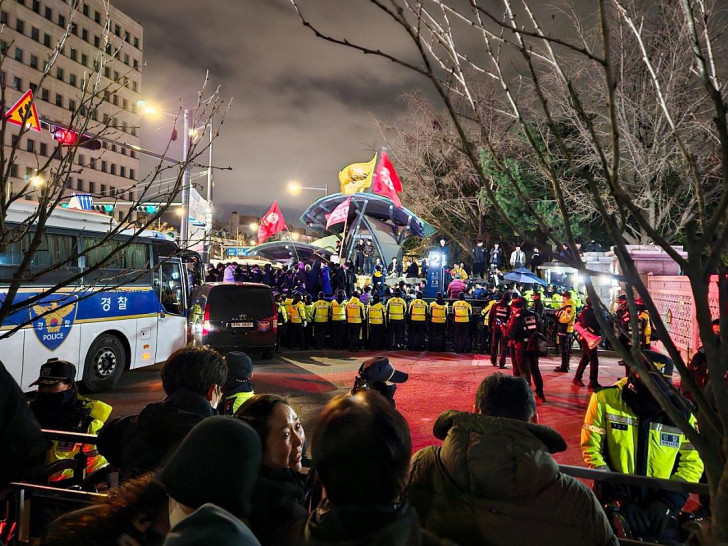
point(129, 313)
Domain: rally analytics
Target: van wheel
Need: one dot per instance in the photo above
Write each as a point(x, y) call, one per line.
point(105, 362)
point(268, 354)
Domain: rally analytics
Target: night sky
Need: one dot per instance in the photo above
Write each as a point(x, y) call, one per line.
point(302, 108)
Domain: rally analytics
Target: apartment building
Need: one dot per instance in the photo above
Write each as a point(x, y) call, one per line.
point(108, 46)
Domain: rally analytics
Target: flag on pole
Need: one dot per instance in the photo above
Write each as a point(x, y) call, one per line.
point(271, 223)
point(357, 176)
point(385, 180)
point(339, 214)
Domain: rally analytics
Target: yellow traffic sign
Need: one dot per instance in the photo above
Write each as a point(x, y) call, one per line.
point(23, 112)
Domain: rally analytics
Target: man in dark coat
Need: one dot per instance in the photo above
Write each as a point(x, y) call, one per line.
point(192, 378)
point(493, 480)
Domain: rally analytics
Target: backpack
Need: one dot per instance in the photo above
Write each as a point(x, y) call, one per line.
point(537, 343)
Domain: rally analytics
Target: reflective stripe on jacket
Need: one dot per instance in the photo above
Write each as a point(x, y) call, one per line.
point(354, 311)
point(321, 311)
point(376, 313)
point(462, 310)
point(438, 313)
point(396, 308)
point(338, 310)
point(418, 310)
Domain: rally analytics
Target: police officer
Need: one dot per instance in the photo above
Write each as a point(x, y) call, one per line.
point(417, 315)
point(396, 307)
point(500, 313)
point(588, 320)
point(438, 323)
point(338, 320)
point(282, 319)
point(377, 315)
point(237, 388)
point(486, 317)
point(308, 329)
point(523, 328)
point(565, 318)
point(461, 333)
point(321, 313)
point(644, 323)
point(625, 430)
point(297, 321)
point(58, 406)
point(355, 316)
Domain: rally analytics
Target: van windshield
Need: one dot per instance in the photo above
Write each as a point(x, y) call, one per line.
point(227, 302)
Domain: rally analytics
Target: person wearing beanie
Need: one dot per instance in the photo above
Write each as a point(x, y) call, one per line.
point(237, 388)
point(216, 464)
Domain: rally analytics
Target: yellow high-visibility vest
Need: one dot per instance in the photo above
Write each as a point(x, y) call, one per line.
point(321, 311)
point(396, 308)
point(462, 310)
point(438, 313)
point(297, 313)
point(376, 313)
point(354, 311)
point(338, 311)
point(418, 310)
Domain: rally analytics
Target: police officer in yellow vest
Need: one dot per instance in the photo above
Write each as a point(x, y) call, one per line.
point(417, 315)
point(461, 311)
point(377, 315)
point(337, 327)
point(308, 329)
point(438, 323)
point(625, 430)
point(237, 388)
point(58, 406)
point(396, 308)
point(565, 318)
point(355, 316)
point(321, 314)
point(282, 319)
point(297, 322)
point(487, 332)
point(644, 323)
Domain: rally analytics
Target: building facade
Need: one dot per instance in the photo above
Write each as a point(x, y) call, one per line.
point(101, 56)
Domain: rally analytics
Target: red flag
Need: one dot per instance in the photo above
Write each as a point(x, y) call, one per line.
point(271, 223)
point(385, 180)
point(339, 214)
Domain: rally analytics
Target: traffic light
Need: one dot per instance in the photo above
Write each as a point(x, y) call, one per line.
point(107, 209)
point(69, 137)
point(148, 209)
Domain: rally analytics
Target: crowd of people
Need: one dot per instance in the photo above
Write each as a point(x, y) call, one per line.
point(217, 463)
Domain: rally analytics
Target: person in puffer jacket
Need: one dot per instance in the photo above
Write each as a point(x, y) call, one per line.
point(493, 481)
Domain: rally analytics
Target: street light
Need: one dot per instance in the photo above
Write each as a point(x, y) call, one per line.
point(295, 188)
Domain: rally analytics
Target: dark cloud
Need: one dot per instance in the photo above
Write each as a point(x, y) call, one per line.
point(303, 108)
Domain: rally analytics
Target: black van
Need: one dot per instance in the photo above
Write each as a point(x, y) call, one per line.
point(231, 316)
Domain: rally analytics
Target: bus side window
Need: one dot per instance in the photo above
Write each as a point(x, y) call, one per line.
point(171, 288)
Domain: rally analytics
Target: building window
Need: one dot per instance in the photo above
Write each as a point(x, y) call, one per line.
point(113, 168)
point(36, 6)
point(35, 34)
point(84, 59)
point(59, 73)
point(96, 41)
point(18, 54)
point(103, 169)
point(92, 163)
point(79, 185)
point(14, 170)
point(47, 40)
point(74, 54)
point(72, 105)
point(131, 174)
point(107, 72)
point(17, 83)
point(3, 17)
point(43, 149)
point(81, 159)
point(105, 119)
point(97, 17)
point(91, 187)
point(34, 62)
point(48, 13)
point(122, 171)
point(84, 35)
point(33, 87)
point(30, 145)
point(85, 10)
point(102, 189)
point(126, 37)
point(44, 94)
point(117, 30)
point(125, 104)
point(132, 154)
point(115, 100)
point(116, 76)
point(136, 43)
point(61, 20)
point(134, 85)
point(72, 79)
point(20, 26)
point(59, 100)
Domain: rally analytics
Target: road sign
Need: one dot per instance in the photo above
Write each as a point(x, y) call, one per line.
point(23, 112)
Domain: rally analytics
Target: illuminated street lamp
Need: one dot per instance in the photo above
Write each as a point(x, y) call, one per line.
point(295, 188)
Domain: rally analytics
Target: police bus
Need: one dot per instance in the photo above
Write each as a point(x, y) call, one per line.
point(131, 312)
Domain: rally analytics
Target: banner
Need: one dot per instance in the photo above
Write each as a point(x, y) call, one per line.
point(357, 176)
point(339, 214)
point(385, 181)
point(271, 223)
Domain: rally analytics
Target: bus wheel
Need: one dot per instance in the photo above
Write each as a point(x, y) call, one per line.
point(105, 362)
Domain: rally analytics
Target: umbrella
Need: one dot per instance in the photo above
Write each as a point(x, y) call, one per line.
point(523, 276)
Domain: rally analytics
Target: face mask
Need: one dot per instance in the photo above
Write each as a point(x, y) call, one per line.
point(55, 399)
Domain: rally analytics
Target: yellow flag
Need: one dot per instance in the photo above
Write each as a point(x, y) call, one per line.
point(357, 176)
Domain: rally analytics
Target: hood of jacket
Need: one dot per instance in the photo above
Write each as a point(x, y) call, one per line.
point(498, 458)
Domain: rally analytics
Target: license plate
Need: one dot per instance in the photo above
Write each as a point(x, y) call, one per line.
point(241, 324)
